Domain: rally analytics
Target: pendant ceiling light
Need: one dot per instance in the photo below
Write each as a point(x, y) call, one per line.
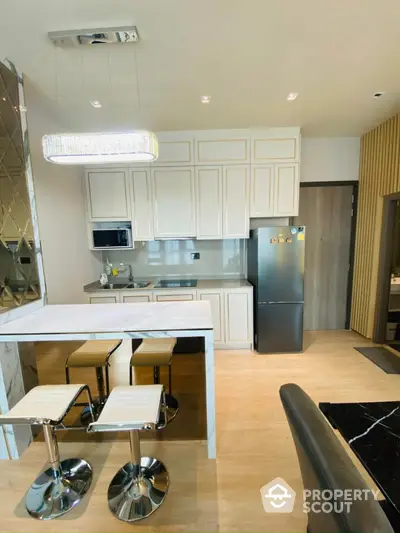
point(92, 148)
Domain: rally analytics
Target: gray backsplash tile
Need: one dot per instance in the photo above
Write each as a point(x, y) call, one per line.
point(219, 258)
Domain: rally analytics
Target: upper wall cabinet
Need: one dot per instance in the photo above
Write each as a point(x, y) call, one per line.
point(274, 190)
point(286, 194)
point(220, 147)
point(173, 202)
point(275, 145)
point(175, 148)
point(107, 194)
point(142, 203)
point(236, 222)
point(262, 191)
point(209, 214)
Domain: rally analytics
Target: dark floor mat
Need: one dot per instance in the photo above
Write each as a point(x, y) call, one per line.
point(395, 346)
point(385, 359)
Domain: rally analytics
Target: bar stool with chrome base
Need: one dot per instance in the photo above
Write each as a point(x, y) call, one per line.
point(138, 488)
point(157, 353)
point(63, 485)
point(93, 354)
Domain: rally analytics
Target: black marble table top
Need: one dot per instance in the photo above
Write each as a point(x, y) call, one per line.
point(373, 432)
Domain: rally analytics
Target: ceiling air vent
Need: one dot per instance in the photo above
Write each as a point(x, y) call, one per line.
point(69, 39)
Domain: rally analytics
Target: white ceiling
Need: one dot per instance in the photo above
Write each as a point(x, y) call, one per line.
point(247, 54)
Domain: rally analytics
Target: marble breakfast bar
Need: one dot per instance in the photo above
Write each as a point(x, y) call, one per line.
point(119, 321)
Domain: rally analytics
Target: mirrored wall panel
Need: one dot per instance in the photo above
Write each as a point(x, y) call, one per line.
point(19, 282)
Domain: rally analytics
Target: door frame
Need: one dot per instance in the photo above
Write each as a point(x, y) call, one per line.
point(385, 267)
point(354, 184)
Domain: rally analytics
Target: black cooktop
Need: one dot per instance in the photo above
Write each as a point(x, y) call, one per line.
point(171, 283)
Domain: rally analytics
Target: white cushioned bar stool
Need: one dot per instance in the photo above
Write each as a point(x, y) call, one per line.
point(62, 486)
point(138, 488)
point(157, 353)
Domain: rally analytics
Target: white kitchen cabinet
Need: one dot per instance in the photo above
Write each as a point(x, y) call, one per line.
point(173, 202)
point(209, 208)
point(107, 194)
point(136, 297)
point(96, 298)
point(216, 299)
point(174, 296)
point(239, 318)
point(286, 190)
point(275, 145)
point(222, 147)
point(142, 202)
point(235, 202)
point(175, 148)
point(262, 191)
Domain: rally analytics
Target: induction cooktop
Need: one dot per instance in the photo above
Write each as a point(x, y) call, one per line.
point(172, 283)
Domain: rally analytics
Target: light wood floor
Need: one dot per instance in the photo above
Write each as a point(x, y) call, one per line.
point(253, 440)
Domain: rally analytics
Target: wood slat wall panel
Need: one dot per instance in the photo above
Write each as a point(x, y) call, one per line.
point(379, 176)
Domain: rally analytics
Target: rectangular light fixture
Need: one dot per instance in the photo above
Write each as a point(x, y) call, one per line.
point(92, 148)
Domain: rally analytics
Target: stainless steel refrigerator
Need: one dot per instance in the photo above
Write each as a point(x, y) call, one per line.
point(275, 259)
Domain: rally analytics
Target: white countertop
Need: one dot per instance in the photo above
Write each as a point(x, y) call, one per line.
point(201, 284)
point(116, 318)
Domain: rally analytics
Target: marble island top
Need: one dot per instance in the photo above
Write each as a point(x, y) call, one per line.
point(70, 320)
point(226, 283)
point(373, 432)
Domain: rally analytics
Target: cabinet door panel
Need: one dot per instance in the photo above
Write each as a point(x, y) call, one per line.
point(216, 304)
point(236, 212)
point(209, 202)
point(262, 191)
point(174, 206)
point(237, 306)
point(107, 195)
point(136, 298)
point(103, 299)
point(286, 190)
point(142, 205)
point(187, 297)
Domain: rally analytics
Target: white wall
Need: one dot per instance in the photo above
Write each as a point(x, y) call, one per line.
point(330, 159)
point(68, 264)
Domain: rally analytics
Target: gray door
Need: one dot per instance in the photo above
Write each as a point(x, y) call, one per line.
point(327, 213)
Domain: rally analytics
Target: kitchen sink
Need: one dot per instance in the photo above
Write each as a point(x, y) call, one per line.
point(134, 285)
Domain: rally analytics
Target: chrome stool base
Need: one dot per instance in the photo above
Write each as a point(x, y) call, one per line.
point(51, 495)
point(132, 497)
point(171, 407)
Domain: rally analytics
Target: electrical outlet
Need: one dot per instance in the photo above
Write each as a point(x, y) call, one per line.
point(195, 255)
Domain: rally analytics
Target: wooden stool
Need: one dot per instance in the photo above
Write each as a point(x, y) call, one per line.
point(138, 488)
point(156, 353)
point(93, 354)
point(62, 486)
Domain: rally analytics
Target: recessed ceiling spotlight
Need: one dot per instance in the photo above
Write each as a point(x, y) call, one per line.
point(292, 96)
point(96, 104)
point(205, 99)
point(4, 99)
point(378, 95)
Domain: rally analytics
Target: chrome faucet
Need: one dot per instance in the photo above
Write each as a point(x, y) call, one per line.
point(130, 277)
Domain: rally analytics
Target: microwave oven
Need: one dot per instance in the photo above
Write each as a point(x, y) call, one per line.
point(112, 238)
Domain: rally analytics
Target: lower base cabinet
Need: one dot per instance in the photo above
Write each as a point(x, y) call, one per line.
point(231, 309)
point(239, 318)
